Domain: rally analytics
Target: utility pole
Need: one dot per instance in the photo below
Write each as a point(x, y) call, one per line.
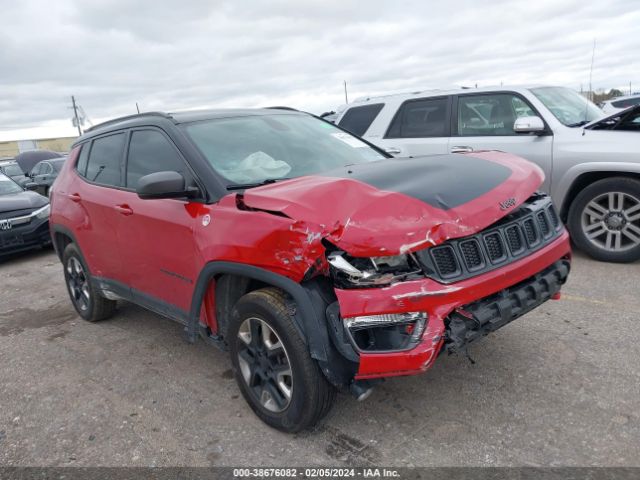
point(137, 107)
point(346, 99)
point(75, 114)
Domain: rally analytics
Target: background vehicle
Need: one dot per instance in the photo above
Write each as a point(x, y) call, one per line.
point(44, 173)
point(12, 170)
point(620, 103)
point(24, 218)
point(28, 160)
point(592, 172)
point(227, 221)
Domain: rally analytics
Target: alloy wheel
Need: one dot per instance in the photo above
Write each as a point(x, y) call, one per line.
point(611, 221)
point(264, 364)
point(78, 284)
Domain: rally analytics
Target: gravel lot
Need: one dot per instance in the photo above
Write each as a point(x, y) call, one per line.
point(560, 386)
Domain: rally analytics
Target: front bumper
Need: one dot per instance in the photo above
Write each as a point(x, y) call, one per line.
point(33, 234)
point(440, 301)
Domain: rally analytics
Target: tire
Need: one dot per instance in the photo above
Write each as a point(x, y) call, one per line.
point(85, 297)
point(268, 353)
point(604, 220)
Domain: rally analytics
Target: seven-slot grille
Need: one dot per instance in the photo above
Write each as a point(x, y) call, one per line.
point(530, 227)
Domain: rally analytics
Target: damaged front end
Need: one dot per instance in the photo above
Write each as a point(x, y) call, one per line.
point(400, 279)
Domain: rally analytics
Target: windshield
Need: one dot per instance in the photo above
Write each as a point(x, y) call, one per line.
point(568, 106)
point(12, 170)
point(8, 186)
point(255, 149)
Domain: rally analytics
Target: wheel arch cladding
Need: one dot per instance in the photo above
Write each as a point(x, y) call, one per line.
point(585, 179)
point(307, 317)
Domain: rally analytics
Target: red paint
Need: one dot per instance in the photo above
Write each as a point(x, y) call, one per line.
point(159, 246)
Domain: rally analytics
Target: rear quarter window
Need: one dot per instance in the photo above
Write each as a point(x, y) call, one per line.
point(357, 120)
point(81, 166)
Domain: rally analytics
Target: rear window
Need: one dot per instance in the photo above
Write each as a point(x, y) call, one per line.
point(357, 120)
point(104, 160)
point(629, 102)
point(422, 118)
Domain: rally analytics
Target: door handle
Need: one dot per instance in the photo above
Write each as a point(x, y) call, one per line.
point(461, 149)
point(124, 209)
point(74, 197)
point(393, 150)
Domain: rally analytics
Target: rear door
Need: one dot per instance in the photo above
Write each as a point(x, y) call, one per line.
point(91, 201)
point(485, 122)
point(420, 127)
point(156, 236)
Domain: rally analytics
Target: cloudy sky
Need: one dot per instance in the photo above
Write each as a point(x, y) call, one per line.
point(173, 55)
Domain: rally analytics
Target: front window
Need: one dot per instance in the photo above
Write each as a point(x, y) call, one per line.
point(568, 106)
point(256, 149)
point(8, 186)
point(490, 115)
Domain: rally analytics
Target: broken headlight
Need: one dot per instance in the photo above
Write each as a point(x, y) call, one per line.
point(350, 272)
point(387, 332)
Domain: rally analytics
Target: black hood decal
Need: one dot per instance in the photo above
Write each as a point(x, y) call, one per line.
point(442, 181)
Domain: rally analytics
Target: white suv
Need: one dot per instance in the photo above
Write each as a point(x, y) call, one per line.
point(619, 103)
point(591, 163)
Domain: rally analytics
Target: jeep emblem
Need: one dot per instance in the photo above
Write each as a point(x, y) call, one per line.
point(5, 225)
point(508, 203)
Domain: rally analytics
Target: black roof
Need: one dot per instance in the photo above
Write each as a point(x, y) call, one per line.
point(157, 118)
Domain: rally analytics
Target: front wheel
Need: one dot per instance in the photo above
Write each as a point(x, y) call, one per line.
point(281, 382)
point(604, 220)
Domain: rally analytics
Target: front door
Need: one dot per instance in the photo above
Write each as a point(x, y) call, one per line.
point(485, 122)
point(155, 237)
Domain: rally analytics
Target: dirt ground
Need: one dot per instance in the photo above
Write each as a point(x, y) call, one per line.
point(560, 386)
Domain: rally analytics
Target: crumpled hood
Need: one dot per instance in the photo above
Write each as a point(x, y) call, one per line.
point(21, 201)
point(403, 204)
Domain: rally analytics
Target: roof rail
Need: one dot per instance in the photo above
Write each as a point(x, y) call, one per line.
point(128, 117)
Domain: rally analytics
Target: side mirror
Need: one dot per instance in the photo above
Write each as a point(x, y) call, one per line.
point(164, 185)
point(31, 186)
point(528, 125)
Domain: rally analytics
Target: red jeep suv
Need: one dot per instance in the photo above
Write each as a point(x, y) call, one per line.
point(320, 263)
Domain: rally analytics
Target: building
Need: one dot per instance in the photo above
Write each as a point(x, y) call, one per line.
point(13, 148)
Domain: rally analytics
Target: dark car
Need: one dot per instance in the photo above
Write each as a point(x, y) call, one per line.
point(319, 262)
point(12, 170)
point(44, 173)
point(24, 218)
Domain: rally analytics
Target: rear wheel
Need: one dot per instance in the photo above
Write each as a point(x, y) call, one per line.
point(276, 375)
point(85, 297)
point(604, 220)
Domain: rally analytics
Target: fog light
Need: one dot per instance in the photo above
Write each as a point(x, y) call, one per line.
point(391, 331)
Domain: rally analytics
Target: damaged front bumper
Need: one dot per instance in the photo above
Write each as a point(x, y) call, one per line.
point(457, 313)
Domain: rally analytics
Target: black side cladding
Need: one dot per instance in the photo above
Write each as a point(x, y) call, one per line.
point(442, 181)
point(473, 321)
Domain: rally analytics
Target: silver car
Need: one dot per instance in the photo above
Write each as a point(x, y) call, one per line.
point(591, 163)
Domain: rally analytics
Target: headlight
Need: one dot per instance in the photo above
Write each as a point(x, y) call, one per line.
point(43, 212)
point(391, 331)
point(351, 272)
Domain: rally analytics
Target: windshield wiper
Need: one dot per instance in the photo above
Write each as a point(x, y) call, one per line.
point(242, 186)
point(578, 124)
